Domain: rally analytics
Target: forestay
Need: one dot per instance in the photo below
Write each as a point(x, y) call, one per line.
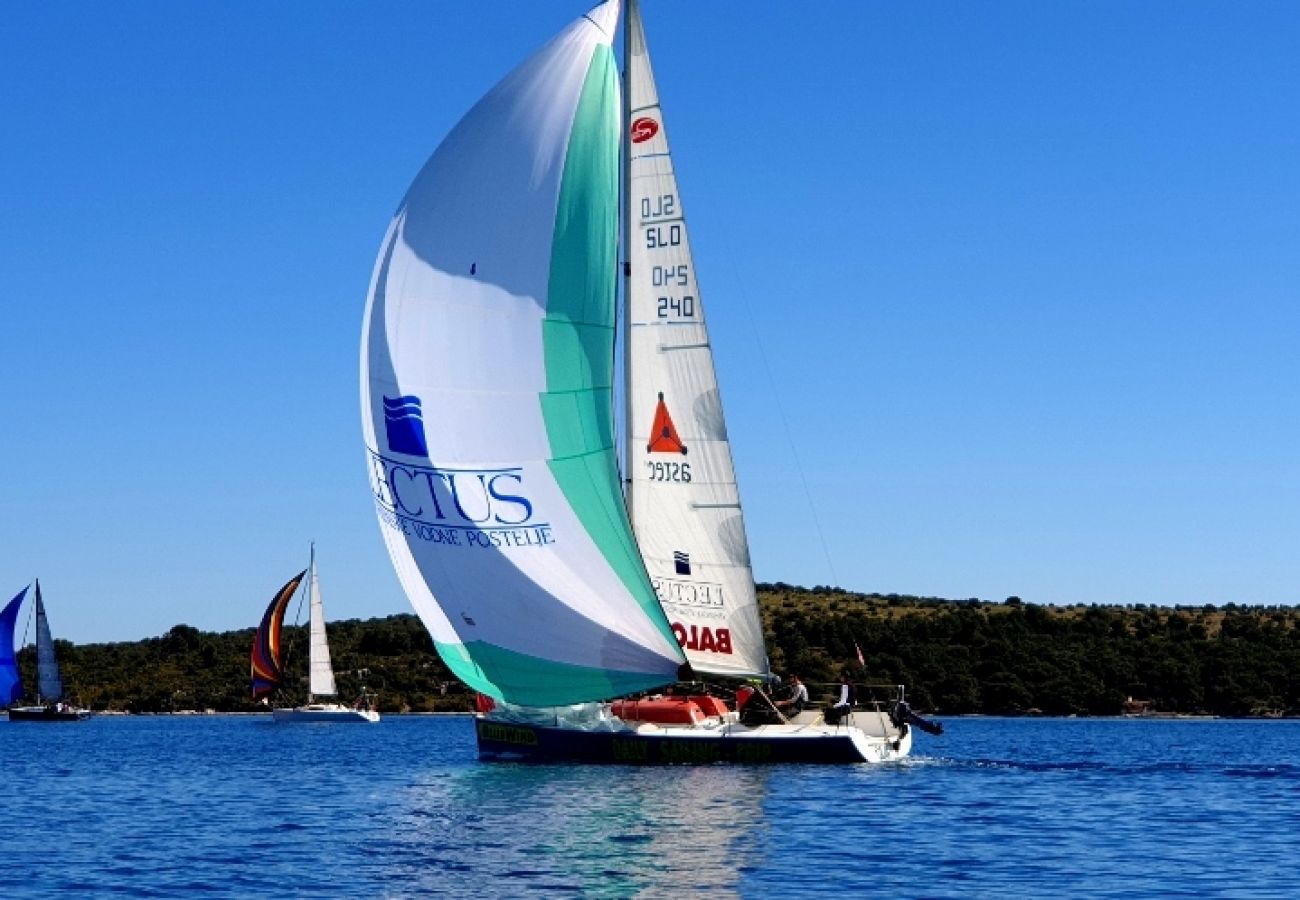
point(684, 501)
point(487, 368)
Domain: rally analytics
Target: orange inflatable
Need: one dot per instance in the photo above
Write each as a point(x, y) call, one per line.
point(669, 710)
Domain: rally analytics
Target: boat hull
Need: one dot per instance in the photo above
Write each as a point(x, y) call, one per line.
point(46, 714)
point(651, 745)
point(323, 712)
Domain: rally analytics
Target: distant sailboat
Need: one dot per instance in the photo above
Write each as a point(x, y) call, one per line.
point(268, 660)
point(505, 519)
point(50, 705)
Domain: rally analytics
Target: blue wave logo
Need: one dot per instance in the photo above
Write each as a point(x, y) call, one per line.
point(681, 562)
point(404, 422)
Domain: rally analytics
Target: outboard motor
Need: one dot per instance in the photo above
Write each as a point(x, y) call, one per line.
point(901, 715)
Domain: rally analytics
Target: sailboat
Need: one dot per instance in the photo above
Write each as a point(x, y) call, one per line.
point(268, 660)
point(49, 705)
point(488, 412)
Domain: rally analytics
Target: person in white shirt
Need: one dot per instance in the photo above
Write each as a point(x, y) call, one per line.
point(844, 704)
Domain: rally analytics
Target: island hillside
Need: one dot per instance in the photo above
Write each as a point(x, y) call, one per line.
point(955, 656)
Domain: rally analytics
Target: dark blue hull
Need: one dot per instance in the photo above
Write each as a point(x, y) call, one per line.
point(509, 740)
point(45, 714)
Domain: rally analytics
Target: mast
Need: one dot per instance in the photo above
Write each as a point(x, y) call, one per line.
point(311, 616)
point(626, 241)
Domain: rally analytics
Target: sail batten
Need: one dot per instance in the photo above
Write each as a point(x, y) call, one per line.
point(683, 495)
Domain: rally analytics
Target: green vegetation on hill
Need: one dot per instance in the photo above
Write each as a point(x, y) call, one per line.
point(966, 656)
point(188, 669)
point(960, 656)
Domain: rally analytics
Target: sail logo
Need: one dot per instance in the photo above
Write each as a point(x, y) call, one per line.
point(681, 562)
point(663, 433)
point(702, 638)
point(643, 129)
point(404, 425)
point(698, 595)
point(485, 508)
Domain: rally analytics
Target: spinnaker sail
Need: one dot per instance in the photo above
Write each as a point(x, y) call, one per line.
point(11, 685)
point(487, 392)
point(267, 662)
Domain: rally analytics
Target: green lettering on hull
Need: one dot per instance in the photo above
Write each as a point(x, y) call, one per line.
point(507, 734)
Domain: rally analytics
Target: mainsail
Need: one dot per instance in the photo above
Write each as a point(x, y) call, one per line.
point(49, 684)
point(487, 405)
point(267, 664)
point(11, 686)
point(684, 501)
point(322, 673)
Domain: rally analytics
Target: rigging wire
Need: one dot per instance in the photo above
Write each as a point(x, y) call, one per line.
point(31, 614)
point(785, 423)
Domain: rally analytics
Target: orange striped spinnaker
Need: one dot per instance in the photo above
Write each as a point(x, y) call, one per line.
point(267, 668)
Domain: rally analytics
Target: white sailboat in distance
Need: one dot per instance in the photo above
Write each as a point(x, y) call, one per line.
point(268, 660)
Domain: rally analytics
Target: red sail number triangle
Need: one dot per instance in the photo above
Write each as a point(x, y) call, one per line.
point(663, 434)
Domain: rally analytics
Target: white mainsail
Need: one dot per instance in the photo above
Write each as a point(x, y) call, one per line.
point(487, 392)
point(322, 673)
point(684, 502)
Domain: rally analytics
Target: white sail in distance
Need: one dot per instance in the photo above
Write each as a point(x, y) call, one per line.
point(683, 497)
point(322, 673)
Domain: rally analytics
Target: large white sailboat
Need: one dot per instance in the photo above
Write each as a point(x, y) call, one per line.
point(268, 663)
point(488, 406)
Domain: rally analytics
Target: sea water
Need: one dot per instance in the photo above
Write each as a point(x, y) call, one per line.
point(238, 806)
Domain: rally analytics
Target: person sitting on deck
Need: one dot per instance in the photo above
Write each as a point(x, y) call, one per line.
point(844, 704)
point(794, 704)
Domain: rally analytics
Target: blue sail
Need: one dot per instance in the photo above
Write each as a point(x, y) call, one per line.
point(11, 686)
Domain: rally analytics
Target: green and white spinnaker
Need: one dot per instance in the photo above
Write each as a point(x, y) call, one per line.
point(487, 404)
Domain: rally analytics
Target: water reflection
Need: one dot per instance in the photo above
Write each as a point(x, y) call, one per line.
point(591, 830)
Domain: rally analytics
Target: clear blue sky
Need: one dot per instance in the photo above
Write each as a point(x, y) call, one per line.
point(1012, 288)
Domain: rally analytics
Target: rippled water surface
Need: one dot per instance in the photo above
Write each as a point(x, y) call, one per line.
point(237, 806)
